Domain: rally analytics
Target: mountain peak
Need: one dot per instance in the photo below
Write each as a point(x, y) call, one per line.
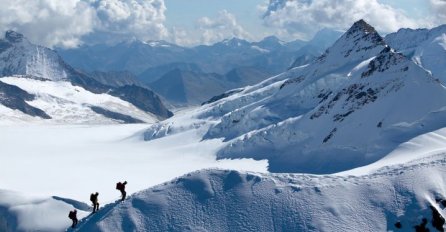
point(271, 38)
point(361, 26)
point(13, 36)
point(234, 42)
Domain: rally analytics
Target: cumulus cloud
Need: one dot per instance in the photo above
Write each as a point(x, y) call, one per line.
point(143, 19)
point(224, 26)
point(49, 22)
point(302, 18)
point(69, 22)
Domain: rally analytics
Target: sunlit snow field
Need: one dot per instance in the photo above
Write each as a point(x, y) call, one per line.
point(74, 160)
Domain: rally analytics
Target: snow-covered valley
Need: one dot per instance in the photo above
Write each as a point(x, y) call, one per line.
point(87, 158)
point(72, 161)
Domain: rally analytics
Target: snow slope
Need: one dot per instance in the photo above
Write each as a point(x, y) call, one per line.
point(219, 200)
point(66, 103)
point(22, 212)
point(9, 116)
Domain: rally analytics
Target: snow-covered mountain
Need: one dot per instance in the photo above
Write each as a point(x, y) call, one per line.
point(426, 47)
point(19, 57)
point(37, 82)
point(348, 108)
point(358, 101)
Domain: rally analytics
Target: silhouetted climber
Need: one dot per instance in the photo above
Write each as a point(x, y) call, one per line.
point(73, 216)
point(94, 200)
point(121, 187)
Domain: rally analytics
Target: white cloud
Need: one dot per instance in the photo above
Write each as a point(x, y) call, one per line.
point(438, 8)
point(143, 19)
point(302, 18)
point(182, 37)
point(48, 22)
point(67, 23)
point(224, 26)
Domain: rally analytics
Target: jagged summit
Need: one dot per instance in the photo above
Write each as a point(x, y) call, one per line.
point(362, 30)
point(13, 36)
point(359, 42)
point(361, 24)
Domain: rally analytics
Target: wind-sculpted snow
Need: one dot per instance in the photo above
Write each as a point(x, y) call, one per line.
point(218, 200)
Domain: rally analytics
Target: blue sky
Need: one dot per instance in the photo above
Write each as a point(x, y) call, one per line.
point(71, 23)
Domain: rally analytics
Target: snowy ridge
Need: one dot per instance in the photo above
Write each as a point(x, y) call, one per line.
point(219, 200)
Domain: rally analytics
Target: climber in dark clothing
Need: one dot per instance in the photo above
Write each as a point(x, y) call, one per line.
point(121, 187)
point(94, 200)
point(73, 216)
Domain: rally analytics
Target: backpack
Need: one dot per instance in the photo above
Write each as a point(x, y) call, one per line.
point(118, 186)
point(71, 215)
point(92, 197)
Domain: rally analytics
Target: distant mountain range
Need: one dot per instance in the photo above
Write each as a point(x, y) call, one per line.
point(243, 62)
point(35, 81)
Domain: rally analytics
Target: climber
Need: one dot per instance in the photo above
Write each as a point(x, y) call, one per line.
point(73, 216)
point(94, 200)
point(121, 187)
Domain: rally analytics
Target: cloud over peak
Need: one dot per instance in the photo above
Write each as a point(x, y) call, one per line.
point(224, 26)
